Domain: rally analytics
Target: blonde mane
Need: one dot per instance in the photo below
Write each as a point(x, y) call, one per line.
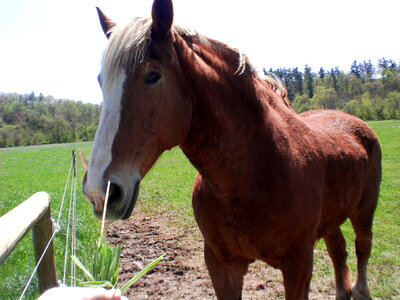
point(128, 43)
point(275, 84)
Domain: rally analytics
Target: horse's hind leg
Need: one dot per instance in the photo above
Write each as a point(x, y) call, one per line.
point(226, 277)
point(336, 245)
point(362, 220)
point(362, 224)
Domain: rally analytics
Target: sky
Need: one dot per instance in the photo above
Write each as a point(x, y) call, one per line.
point(55, 47)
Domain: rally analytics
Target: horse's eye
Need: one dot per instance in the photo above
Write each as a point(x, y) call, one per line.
point(152, 78)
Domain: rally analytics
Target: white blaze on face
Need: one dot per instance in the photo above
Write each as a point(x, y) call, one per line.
point(108, 127)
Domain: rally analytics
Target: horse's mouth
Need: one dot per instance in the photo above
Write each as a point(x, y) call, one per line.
point(135, 195)
point(121, 202)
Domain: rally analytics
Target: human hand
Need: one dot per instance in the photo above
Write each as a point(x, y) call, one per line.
point(81, 293)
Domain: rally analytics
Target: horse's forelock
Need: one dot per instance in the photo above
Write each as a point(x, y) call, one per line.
point(126, 48)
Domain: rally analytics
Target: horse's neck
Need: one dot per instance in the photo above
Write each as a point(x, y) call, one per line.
point(231, 115)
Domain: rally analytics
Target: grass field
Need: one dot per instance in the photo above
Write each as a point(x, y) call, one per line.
point(24, 171)
point(168, 187)
point(385, 256)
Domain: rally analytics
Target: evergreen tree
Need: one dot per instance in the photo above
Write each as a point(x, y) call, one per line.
point(335, 73)
point(321, 73)
point(355, 69)
point(383, 64)
point(308, 82)
point(298, 82)
point(367, 70)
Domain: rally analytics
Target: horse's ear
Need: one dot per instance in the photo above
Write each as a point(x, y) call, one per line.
point(162, 15)
point(106, 23)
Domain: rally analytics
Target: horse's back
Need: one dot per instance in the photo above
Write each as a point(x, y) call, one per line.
point(336, 123)
point(346, 136)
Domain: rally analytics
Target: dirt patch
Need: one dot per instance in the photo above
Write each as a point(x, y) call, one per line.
point(84, 162)
point(183, 274)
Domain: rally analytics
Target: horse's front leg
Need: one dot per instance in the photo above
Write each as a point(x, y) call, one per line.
point(226, 275)
point(297, 271)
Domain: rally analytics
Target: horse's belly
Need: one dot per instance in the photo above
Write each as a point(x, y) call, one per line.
point(342, 194)
point(250, 234)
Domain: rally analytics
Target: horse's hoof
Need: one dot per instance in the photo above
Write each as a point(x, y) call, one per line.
point(360, 294)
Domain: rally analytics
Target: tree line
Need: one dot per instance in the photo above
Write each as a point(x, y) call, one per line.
point(31, 120)
point(366, 91)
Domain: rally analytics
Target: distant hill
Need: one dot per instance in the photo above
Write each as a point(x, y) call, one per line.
point(32, 120)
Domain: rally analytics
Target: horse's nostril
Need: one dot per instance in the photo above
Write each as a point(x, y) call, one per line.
point(115, 193)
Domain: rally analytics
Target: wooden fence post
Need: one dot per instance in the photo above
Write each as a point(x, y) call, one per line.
point(17, 222)
point(41, 234)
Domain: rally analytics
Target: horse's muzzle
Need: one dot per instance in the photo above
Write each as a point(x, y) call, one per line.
point(121, 198)
point(121, 204)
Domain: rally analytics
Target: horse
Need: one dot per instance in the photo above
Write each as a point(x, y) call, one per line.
point(270, 182)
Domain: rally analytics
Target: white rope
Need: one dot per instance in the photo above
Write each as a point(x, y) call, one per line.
point(56, 229)
point(67, 240)
point(65, 192)
point(71, 237)
point(73, 275)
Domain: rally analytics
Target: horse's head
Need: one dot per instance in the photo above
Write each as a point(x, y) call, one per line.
point(145, 108)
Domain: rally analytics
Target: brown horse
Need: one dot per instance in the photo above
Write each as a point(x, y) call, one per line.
point(270, 182)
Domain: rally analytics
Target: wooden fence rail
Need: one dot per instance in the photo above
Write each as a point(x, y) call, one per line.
point(34, 213)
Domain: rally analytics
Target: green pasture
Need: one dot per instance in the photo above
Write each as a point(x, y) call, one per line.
point(385, 257)
point(167, 189)
point(24, 171)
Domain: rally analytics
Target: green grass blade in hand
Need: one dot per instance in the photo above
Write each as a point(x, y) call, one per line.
point(96, 284)
point(82, 267)
point(141, 273)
